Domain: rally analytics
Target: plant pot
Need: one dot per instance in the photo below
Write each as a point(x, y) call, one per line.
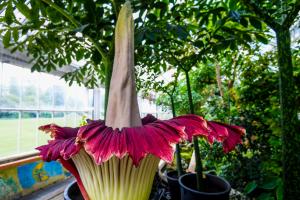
point(173, 185)
point(215, 188)
point(72, 192)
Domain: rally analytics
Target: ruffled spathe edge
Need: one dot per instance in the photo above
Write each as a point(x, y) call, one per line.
point(153, 137)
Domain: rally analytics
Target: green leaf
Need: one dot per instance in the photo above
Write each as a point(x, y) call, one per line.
point(152, 17)
point(279, 191)
point(233, 4)
point(255, 23)
point(35, 9)
point(36, 67)
point(2, 5)
point(247, 37)
point(262, 39)
point(250, 187)
point(22, 7)
point(269, 184)
point(151, 36)
point(138, 38)
point(9, 14)
point(160, 5)
point(79, 54)
point(53, 15)
point(199, 44)
point(244, 22)
point(265, 196)
point(6, 38)
point(235, 16)
point(15, 34)
point(181, 33)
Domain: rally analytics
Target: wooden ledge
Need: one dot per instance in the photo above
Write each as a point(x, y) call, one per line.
point(17, 161)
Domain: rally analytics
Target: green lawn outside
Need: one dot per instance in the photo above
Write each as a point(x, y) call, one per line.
point(29, 136)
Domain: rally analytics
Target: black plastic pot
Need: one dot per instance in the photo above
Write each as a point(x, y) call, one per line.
point(72, 192)
point(215, 188)
point(173, 184)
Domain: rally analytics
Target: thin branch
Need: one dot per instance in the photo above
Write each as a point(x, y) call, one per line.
point(99, 49)
point(175, 82)
point(218, 77)
point(76, 24)
point(291, 16)
point(262, 14)
point(63, 12)
point(115, 6)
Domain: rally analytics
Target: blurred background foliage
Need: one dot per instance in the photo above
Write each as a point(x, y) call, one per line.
point(250, 97)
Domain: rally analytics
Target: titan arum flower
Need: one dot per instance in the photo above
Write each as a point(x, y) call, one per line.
point(117, 159)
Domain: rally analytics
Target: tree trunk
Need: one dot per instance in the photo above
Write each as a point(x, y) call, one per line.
point(289, 120)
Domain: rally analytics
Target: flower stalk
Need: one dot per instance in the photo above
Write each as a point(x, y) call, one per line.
point(178, 150)
point(199, 168)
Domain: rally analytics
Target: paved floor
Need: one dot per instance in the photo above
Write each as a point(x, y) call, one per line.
point(53, 192)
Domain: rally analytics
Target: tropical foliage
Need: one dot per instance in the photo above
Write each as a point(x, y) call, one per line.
point(226, 48)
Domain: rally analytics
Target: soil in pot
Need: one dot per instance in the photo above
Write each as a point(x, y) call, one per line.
point(173, 185)
point(215, 188)
point(72, 192)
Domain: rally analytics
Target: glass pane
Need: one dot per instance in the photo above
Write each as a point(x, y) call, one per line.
point(44, 118)
point(59, 118)
point(29, 94)
point(46, 91)
point(10, 86)
point(71, 119)
point(9, 127)
point(29, 130)
point(91, 99)
point(59, 97)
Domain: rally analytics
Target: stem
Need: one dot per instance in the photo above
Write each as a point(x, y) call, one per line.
point(189, 91)
point(178, 150)
point(289, 121)
point(219, 81)
point(173, 106)
point(115, 5)
point(63, 12)
point(199, 170)
point(97, 46)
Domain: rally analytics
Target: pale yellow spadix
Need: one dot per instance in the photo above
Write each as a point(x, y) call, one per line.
point(119, 179)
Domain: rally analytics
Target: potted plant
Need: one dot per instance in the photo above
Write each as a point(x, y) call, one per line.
point(118, 158)
point(173, 175)
point(206, 186)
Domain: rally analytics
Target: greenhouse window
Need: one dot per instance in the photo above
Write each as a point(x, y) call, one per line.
point(28, 100)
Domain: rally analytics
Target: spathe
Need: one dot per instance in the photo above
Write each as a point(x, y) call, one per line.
point(122, 109)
